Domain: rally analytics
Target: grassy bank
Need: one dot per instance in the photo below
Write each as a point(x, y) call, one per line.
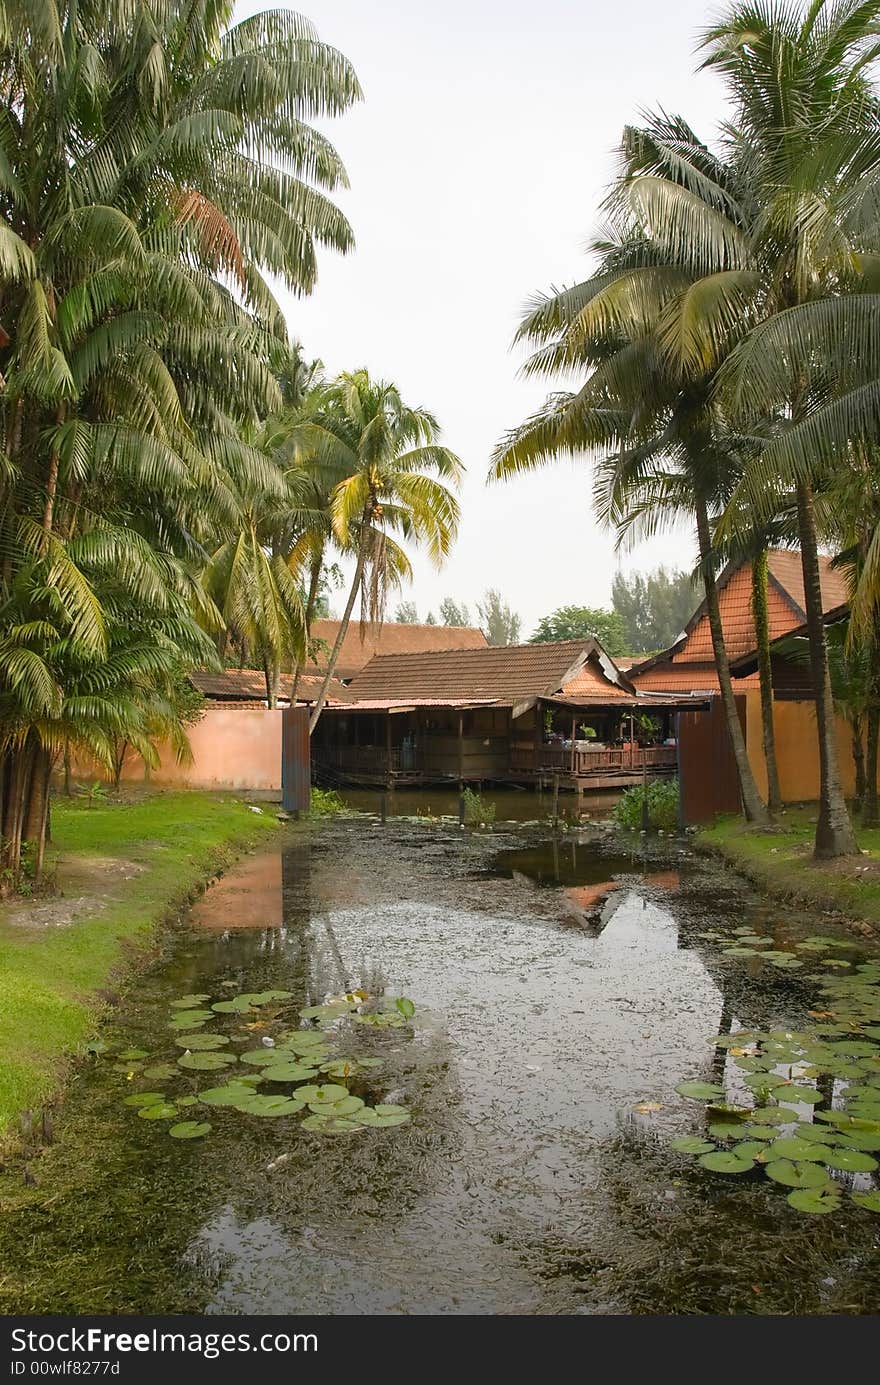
point(120, 870)
point(781, 861)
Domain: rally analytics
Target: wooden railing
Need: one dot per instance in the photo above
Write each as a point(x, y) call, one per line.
point(589, 760)
point(374, 760)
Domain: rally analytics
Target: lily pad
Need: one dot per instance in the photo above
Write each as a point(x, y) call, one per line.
point(725, 1161)
point(145, 1099)
point(206, 1062)
point(791, 1147)
point(162, 1072)
point(190, 1019)
point(239, 1006)
point(751, 1149)
point(725, 1130)
point(288, 1072)
point(187, 1002)
point(816, 1200)
point(799, 1094)
point(203, 1042)
point(692, 1144)
point(326, 1093)
point(870, 1201)
point(158, 1111)
point(257, 1105)
point(189, 1130)
point(346, 1106)
point(850, 1160)
point(131, 1055)
point(797, 1175)
point(700, 1091)
point(261, 1057)
point(229, 1095)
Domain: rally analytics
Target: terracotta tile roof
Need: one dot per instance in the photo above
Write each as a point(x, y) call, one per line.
point(591, 681)
point(785, 598)
point(392, 637)
point(249, 685)
point(785, 566)
point(737, 621)
point(685, 677)
point(507, 674)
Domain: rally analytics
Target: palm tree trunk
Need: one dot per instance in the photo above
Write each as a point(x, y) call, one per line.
point(834, 831)
point(753, 806)
point(343, 629)
point(857, 733)
point(311, 602)
point(765, 676)
point(869, 797)
point(38, 808)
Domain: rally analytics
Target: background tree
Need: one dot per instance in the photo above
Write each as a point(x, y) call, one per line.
point(407, 613)
point(453, 613)
point(395, 480)
point(498, 622)
point(653, 606)
point(583, 623)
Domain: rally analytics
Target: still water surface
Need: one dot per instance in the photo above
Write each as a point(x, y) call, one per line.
point(558, 988)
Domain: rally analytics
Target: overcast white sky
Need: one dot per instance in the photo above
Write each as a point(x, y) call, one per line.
point(477, 162)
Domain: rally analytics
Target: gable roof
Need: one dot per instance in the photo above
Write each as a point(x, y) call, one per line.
point(506, 674)
point(249, 685)
point(361, 644)
point(785, 600)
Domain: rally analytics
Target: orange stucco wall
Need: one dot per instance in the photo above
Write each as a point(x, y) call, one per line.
point(797, 752)
point(233, 748)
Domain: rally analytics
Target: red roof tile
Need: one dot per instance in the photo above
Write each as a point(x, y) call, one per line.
point(363, 643)
point(247, 684)
point(690, 663)
point(507, 674)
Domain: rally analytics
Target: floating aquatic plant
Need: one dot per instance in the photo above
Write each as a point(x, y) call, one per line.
point(189, 1130)
point(781, 1066)
point(291, 1058)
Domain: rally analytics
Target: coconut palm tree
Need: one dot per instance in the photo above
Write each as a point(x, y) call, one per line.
point(395, 481)
point(158, 166)
point(645, 408)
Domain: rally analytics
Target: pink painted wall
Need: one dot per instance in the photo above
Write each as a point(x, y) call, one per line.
point(233, 748)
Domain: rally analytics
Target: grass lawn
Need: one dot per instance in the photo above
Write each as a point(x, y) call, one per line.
point(121, 868)
point(782, 861)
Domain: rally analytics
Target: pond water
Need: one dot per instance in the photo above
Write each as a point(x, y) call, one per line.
point(562, 992)
point(510, 804)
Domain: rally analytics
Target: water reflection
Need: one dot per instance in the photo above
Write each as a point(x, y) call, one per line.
point(536, 1044)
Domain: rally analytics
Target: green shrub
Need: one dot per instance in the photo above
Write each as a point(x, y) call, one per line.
point(662, 806)
point(477, 813)
point(325, 803)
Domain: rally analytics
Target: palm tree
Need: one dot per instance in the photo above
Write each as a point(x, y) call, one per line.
point(646, 405)
point(158, 167)
point(395, 479)
point(804, 135)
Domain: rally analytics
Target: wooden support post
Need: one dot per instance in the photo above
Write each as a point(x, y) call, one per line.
point(539, 735)
point(388, 767)
point(461, 750)
point(646, 820)
point(573, 729)
point(632, 743)
point(555, 800)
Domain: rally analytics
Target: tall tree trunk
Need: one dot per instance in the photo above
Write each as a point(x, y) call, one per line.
point(869, 797)
point(38, 807)
point(834, 831)
point(765, 676)
point(857, 733)
point(753, 806)
point(311, 602)
point(52, 481)
point(272, 678)
point(343, 629)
